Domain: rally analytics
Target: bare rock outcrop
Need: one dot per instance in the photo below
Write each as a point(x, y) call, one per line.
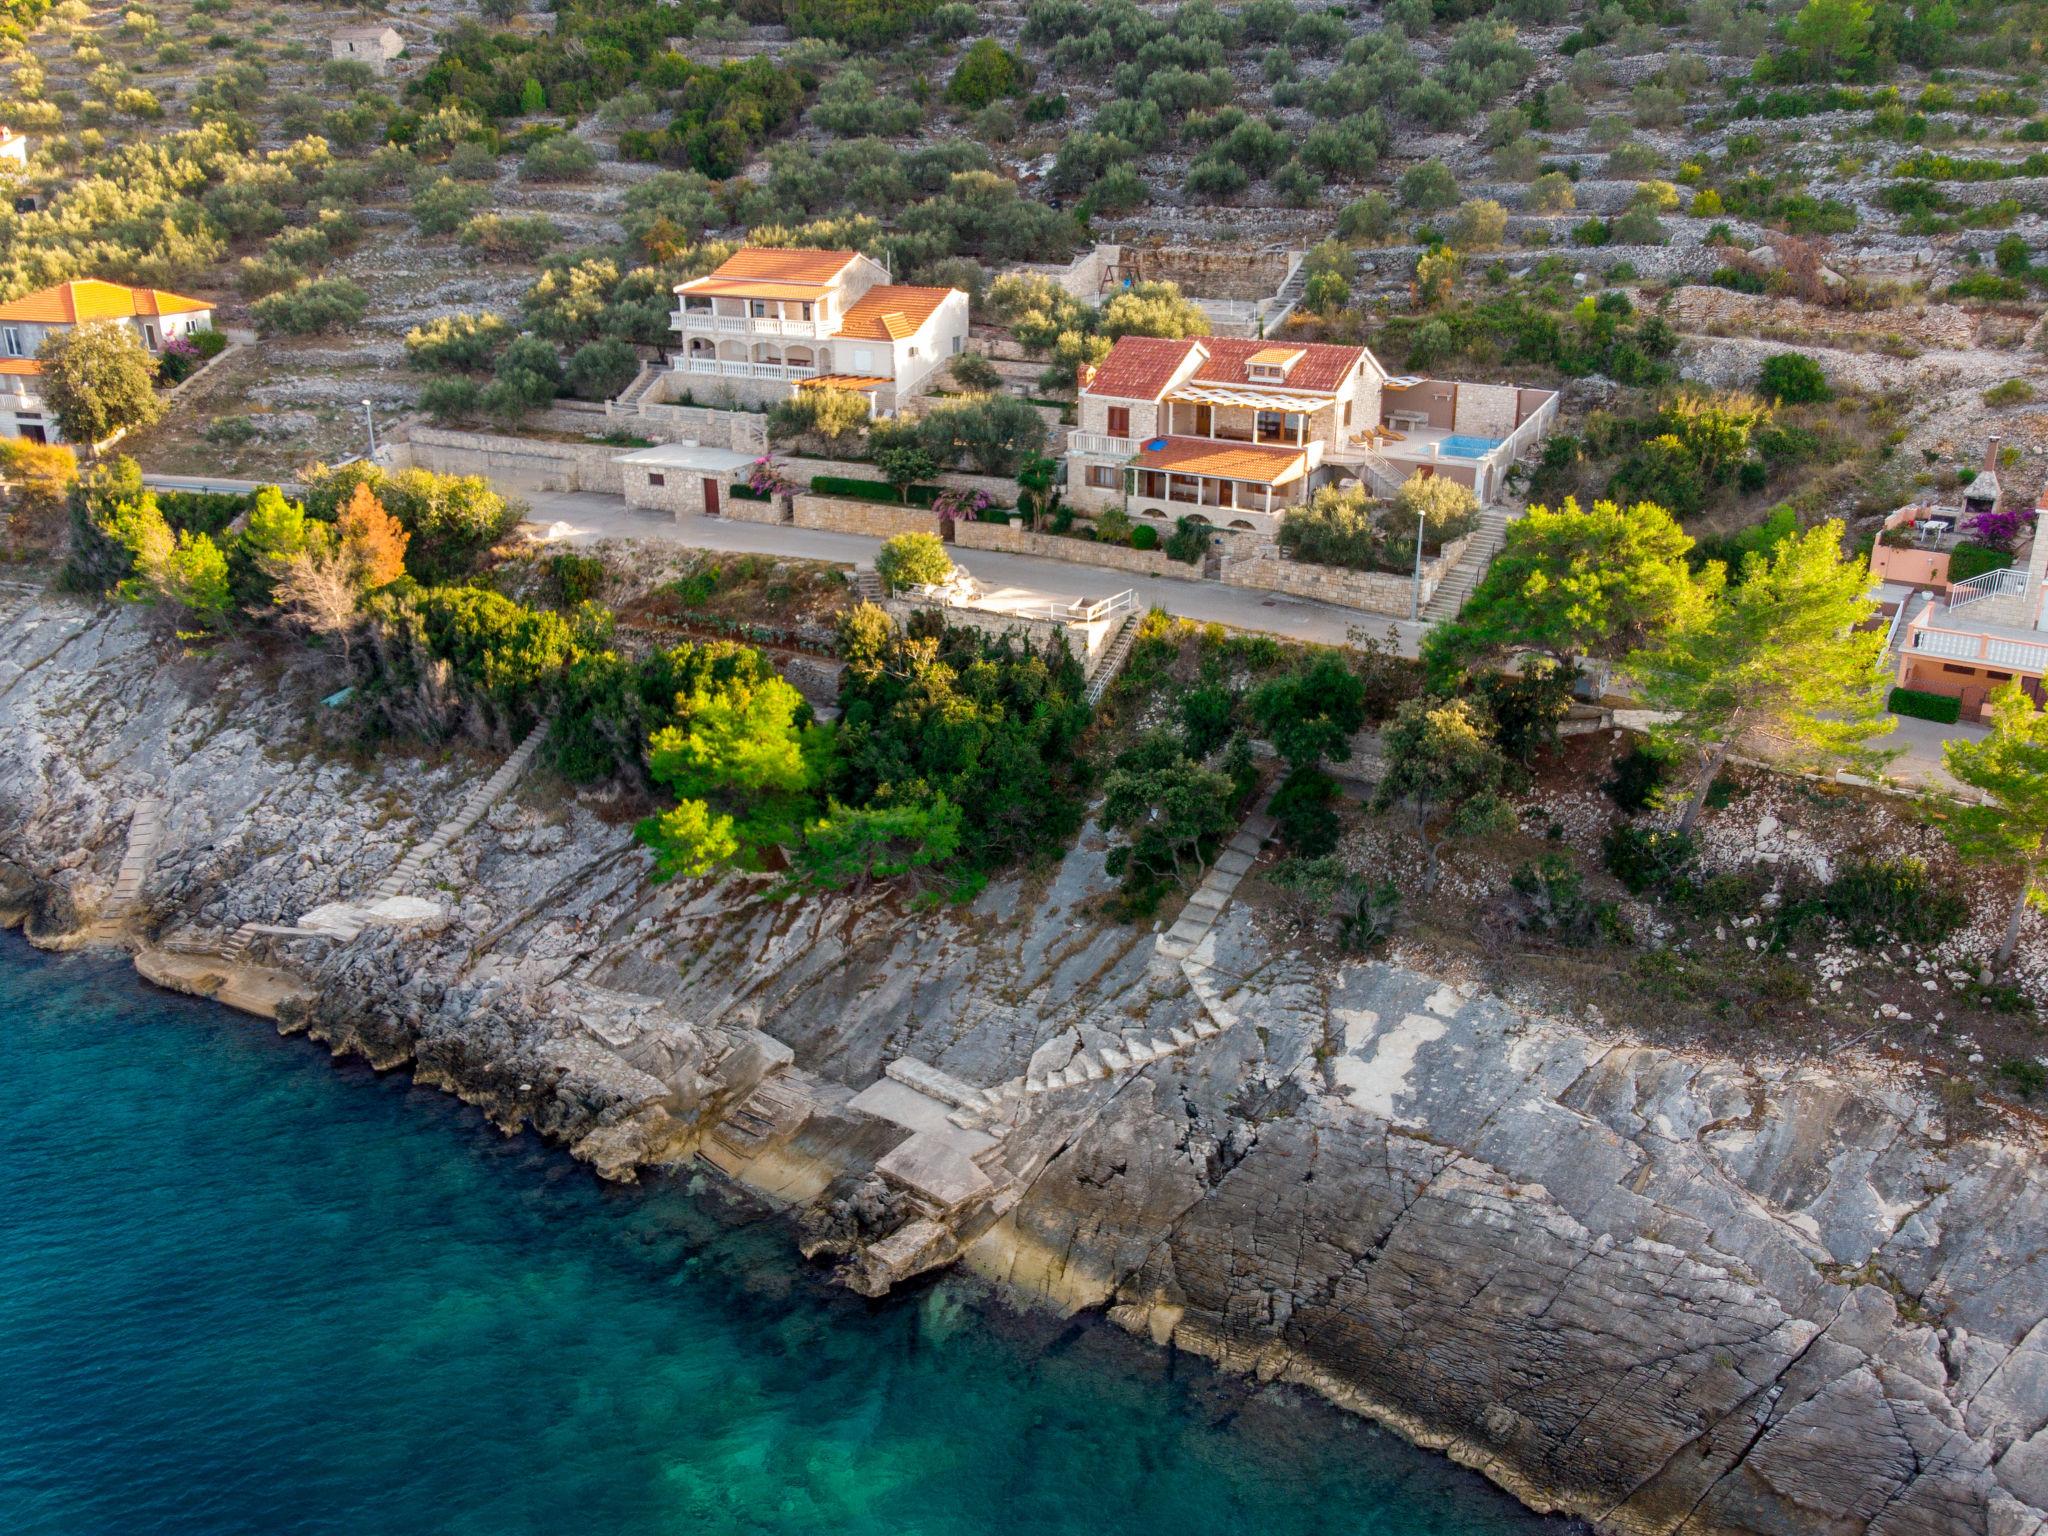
point(1667, 1290)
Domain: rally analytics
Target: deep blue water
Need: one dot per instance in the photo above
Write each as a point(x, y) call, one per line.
point(245, 1290)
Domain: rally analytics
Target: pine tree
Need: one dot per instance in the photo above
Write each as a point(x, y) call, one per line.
point(1573, 583)
point(2010, 766)
point(1779, 655)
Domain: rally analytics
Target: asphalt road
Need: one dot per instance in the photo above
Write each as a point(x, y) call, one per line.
point(586, 516)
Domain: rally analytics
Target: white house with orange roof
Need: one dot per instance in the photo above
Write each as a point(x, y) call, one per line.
point(770, 320)
point(153, 314)
point(1234, 432)
point(14, 147)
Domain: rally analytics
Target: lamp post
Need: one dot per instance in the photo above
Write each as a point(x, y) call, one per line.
point(1415, 592)
point(370, 421)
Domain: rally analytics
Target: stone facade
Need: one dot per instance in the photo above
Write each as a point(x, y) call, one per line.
point(1371, 591)
point(741, 431)
point(740, 510)
point(870, 519)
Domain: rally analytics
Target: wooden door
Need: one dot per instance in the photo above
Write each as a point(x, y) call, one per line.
point(710, 497)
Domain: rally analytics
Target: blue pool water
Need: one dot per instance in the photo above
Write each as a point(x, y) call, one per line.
point(1461, 446)
point(244, 1290)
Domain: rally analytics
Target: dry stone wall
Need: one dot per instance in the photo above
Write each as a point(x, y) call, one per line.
point(873, 520)
point(1117, 557)
point(512, 463)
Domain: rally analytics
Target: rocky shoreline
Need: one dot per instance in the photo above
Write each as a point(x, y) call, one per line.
point(1659, 1290)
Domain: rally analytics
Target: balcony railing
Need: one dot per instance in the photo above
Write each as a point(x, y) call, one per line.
point(2008, 582)
point(747, 325)
point(1962, 645)
point(1096, 442)
point(721, 368)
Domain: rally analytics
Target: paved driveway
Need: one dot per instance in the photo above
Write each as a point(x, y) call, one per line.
point(586, 516)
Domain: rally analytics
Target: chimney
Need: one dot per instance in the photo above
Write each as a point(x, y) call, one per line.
point(1991, 454)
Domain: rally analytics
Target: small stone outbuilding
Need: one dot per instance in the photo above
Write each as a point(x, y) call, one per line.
point(682, 478)
point(375, 44)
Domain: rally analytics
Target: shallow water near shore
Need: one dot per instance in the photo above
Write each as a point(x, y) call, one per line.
point(244, 1289)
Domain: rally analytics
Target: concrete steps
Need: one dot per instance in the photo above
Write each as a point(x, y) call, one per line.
point(1129, 1055)
point(145, 831)
point(472, 811)
point(1449, 598)
point(1114, 655)
point(1217, 887)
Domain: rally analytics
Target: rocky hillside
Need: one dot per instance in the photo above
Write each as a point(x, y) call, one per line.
point(1663, 1290)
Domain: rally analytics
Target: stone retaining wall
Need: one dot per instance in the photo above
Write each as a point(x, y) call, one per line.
point(738, 510)
point(511, 463)
point(1371, 591)
point(1117, 557)
point(741, 431)
point(803, 470)
point(871, 519)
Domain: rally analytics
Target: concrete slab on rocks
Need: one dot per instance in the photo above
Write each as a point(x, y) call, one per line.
point(935, 1165)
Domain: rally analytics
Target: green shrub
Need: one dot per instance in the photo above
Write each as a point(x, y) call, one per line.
point(1144, 536)
point(1970, 559)
point(324, 304)
point(872, 490)
point(1645, 859)
point(1793, 378)
point(1189, 541)
point(1882, 900)
point(1302, 809)
point(1639, 774)
point(987, 72)
point(575, 578)
point(1554, 902)
point(913, 560)
point(1919, 705)
point(2011, 392)
point(559, 158)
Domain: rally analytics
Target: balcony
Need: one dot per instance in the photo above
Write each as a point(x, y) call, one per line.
point(1097, 443)
point(1982, 647)
point(697, 320)
point(721, 368)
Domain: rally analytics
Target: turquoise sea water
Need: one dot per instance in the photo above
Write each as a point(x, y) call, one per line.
point(245, 1290)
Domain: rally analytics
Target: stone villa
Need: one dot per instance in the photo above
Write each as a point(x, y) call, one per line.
point(1234, 431)
point(770, 320)
point(154, 315)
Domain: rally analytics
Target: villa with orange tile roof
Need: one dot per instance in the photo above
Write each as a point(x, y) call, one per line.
point(155, 315)
point(772, 320)
point(1234, 432)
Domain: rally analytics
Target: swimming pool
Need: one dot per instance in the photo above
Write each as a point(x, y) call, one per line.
point(1460, 446)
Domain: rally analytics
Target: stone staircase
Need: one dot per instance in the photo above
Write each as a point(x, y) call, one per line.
point(1218, 885)
point(15, 597)
point(1449, 598)
point(1114, 655)
point(145, 831)
point(339, 922)
point(1290, 292)
point(1178, 944)
point(629, 400)
point(867, 583)
point(479, 801)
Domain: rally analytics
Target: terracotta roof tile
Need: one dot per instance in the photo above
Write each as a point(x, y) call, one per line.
point(74, 303)
point(1227, 461)
point(20, 366)
point(1142, 367)
point(891, 312)
point(777, 264)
